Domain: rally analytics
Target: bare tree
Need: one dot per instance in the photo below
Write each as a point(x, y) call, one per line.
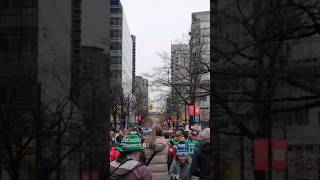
point(187, 84)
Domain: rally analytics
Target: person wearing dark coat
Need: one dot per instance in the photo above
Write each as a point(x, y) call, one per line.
point(180, 167)
point(200, 166)
point(127, 165)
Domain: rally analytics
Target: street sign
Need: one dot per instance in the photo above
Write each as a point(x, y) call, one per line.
point(197, 119)
point(279, 154)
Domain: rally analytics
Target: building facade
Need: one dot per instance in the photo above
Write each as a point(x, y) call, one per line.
point(180, 80)
point(291, 113)
point(45, 38)
point(141, 95)
point(121, 49)
point(19, 88)
point(94, 82)
point(200, 61)
point(133, 62)
point(121, 54)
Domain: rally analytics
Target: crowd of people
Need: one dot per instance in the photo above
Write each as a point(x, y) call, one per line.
point(160, 155)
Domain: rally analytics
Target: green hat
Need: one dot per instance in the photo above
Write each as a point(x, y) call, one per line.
point(130, 143)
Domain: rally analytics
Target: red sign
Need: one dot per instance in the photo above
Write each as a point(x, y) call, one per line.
point(279, 154)
point(138, 118)
point(261, 154)
point(194, 110)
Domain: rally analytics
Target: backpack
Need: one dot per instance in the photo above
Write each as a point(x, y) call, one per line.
point(123, 175)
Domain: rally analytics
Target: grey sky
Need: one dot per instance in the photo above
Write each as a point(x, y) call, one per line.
point(156, 23)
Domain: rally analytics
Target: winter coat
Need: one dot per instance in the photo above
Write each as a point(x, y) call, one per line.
point(177, 168)
point(130, 170)
point(200, 165)
point(158, 165)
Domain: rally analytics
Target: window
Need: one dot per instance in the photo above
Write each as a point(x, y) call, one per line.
point(116, 21)
point(288, 118)
point(115, 33)
point(308, 148)
point(23, 3)
point(116, 74)
point(116, 46)
point(115, 60)
point(301, 117)
point(298, 148)
point(203, 98)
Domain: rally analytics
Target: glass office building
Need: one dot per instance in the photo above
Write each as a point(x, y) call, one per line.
point(121, 49)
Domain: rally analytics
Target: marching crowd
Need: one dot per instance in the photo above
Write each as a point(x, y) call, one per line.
point(160, 155)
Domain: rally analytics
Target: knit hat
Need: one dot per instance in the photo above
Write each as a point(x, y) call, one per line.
point(130, 143)
point(205, 135)
point(182, 150)
point(179, 138)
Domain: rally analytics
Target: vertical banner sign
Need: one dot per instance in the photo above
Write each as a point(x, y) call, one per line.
point(191, 110)
point(197, 110)
point(279, 154)
point(138, 118)
point(194, 110)
point(261, 154)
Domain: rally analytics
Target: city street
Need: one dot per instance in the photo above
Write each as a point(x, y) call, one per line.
point(159, 90)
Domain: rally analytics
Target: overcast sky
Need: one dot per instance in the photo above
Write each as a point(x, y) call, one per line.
point(156, 23)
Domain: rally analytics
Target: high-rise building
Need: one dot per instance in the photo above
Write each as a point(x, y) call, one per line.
point(133, 62)
point(42, 75)
point(200, 61)
point(19, 88)
point(180, 80)
point(94, 80)
point(121, 49)
point(141, 94)
point(94, 57)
